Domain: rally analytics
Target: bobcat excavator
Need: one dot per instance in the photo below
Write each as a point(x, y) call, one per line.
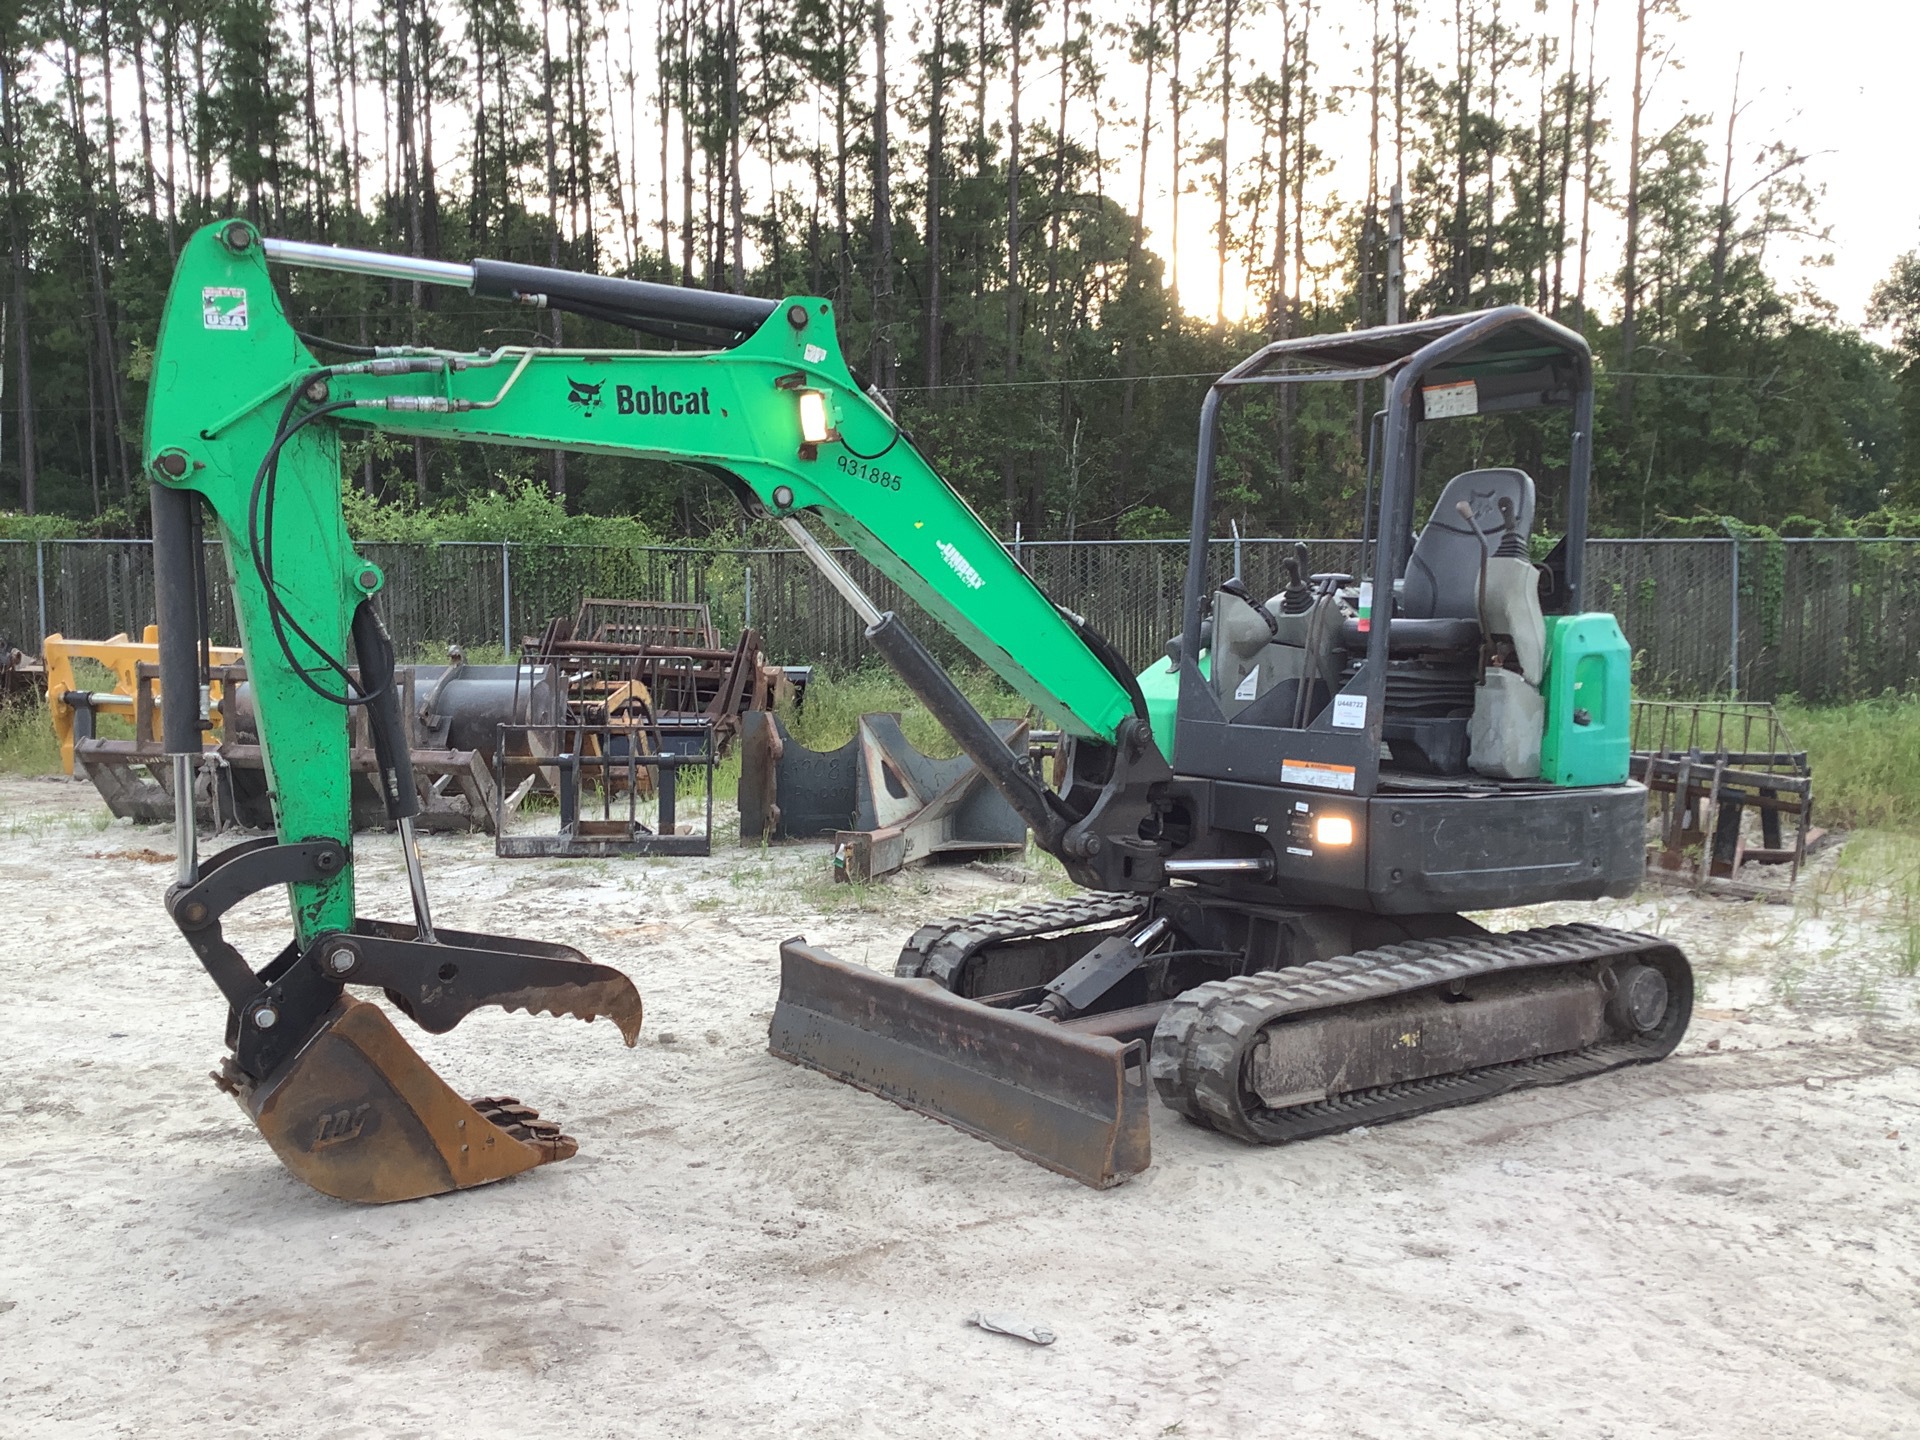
point(1277, 827)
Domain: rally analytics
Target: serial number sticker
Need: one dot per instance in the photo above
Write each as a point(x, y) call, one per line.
point(1444, 402)
point(1316, 773)
point(223, 307)
point(815, 354)
point(1350, 712)
point(1249, 684)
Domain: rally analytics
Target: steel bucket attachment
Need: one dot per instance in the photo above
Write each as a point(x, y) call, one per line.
point(358, 1115)
point(1075, 1103)
point(348, 1105)
point(885, 804)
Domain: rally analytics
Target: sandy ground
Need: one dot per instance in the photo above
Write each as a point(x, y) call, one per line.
point(1725, 1244)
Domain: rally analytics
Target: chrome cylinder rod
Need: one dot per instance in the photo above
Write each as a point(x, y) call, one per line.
point(416, 882)
point(367, 262)
point(836, 575)
point(1250, 865)
point(186, 855)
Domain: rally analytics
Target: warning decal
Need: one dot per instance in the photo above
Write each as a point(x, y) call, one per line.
point(1443, 402)
point(1317, 774)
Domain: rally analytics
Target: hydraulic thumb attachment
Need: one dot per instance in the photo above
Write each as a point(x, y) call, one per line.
point(344, 1101)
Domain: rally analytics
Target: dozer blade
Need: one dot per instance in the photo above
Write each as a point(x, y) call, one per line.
point(1074, 1103)
point(358, 1115)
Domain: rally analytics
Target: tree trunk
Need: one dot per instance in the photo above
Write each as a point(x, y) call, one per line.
point(1224, 234)
point(1630, 269)
point(736, 197)
point(1177, 103)
point(936, 171)
point(140, 38)
point(12, 141)
point(1566, 158)
point(1723, 219)
point(883, 357)
point(557, 472)
point(1587, 134)
point(1016, 27)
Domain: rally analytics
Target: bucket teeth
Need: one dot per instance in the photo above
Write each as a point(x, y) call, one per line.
point(524, 1124)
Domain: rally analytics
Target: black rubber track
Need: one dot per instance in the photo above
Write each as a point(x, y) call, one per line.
point(940, 951)
point(1202, 1044)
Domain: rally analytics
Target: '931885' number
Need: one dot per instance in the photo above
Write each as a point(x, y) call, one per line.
point(873, 474)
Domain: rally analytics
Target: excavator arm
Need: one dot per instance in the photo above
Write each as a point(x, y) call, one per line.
point(244, 422)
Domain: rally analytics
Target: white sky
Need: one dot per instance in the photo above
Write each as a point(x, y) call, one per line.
point(1835, 76)
point(1833, 79)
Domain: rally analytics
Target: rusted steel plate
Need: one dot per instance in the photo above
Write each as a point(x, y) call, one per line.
point(1074, 1103)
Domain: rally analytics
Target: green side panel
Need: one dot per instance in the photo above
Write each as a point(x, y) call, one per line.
point(1160, 687)
point(1589, 696)
point(221, 369)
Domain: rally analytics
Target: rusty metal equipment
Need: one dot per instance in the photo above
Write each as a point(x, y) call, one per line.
point(885, 804)
point(74, 706)
point(612, 762)
point(21, 675)
point(672, 648)
point(1070, 1099)
point(452, 712)
point(1706, 764)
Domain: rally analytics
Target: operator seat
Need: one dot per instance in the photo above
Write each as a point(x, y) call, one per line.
point(1436, 606)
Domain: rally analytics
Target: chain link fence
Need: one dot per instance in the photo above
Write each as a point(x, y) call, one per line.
point(1826, 620)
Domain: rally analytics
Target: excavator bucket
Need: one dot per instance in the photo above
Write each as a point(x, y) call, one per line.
point(358, 1115)
point(1073, 1102)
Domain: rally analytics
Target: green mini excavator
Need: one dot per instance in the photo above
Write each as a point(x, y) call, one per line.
point(1277, 827)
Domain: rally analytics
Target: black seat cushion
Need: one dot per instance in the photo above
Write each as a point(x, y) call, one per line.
point(1408, 635)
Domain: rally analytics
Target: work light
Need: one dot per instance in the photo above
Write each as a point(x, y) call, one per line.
point(814, 428)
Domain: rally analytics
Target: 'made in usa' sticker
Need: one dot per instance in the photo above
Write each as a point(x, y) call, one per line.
point(223, 307)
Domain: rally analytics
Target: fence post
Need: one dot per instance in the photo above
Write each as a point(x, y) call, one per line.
point(40, 583)
point(1237, 571)
point(506, 599)
point(1733, 636)
point(747, 624)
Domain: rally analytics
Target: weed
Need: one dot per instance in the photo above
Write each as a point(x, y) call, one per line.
point(834, 705)
point(1865, 758)
point(27, 746)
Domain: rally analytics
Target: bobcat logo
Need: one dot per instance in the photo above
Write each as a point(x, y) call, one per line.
point(587, 397)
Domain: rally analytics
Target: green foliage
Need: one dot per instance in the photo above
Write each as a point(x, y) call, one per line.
point(37, 527)
point(1866, 761)
point(1058, 384)
point(27, 744)
point(520, 510)
point(1896, 305)
point(834, 704)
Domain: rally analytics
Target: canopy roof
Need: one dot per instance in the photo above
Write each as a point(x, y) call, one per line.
point(1517, 357)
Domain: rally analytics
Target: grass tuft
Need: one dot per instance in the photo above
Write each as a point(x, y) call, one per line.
point(27, 746)
point(834, 705)
point(1866, 761)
